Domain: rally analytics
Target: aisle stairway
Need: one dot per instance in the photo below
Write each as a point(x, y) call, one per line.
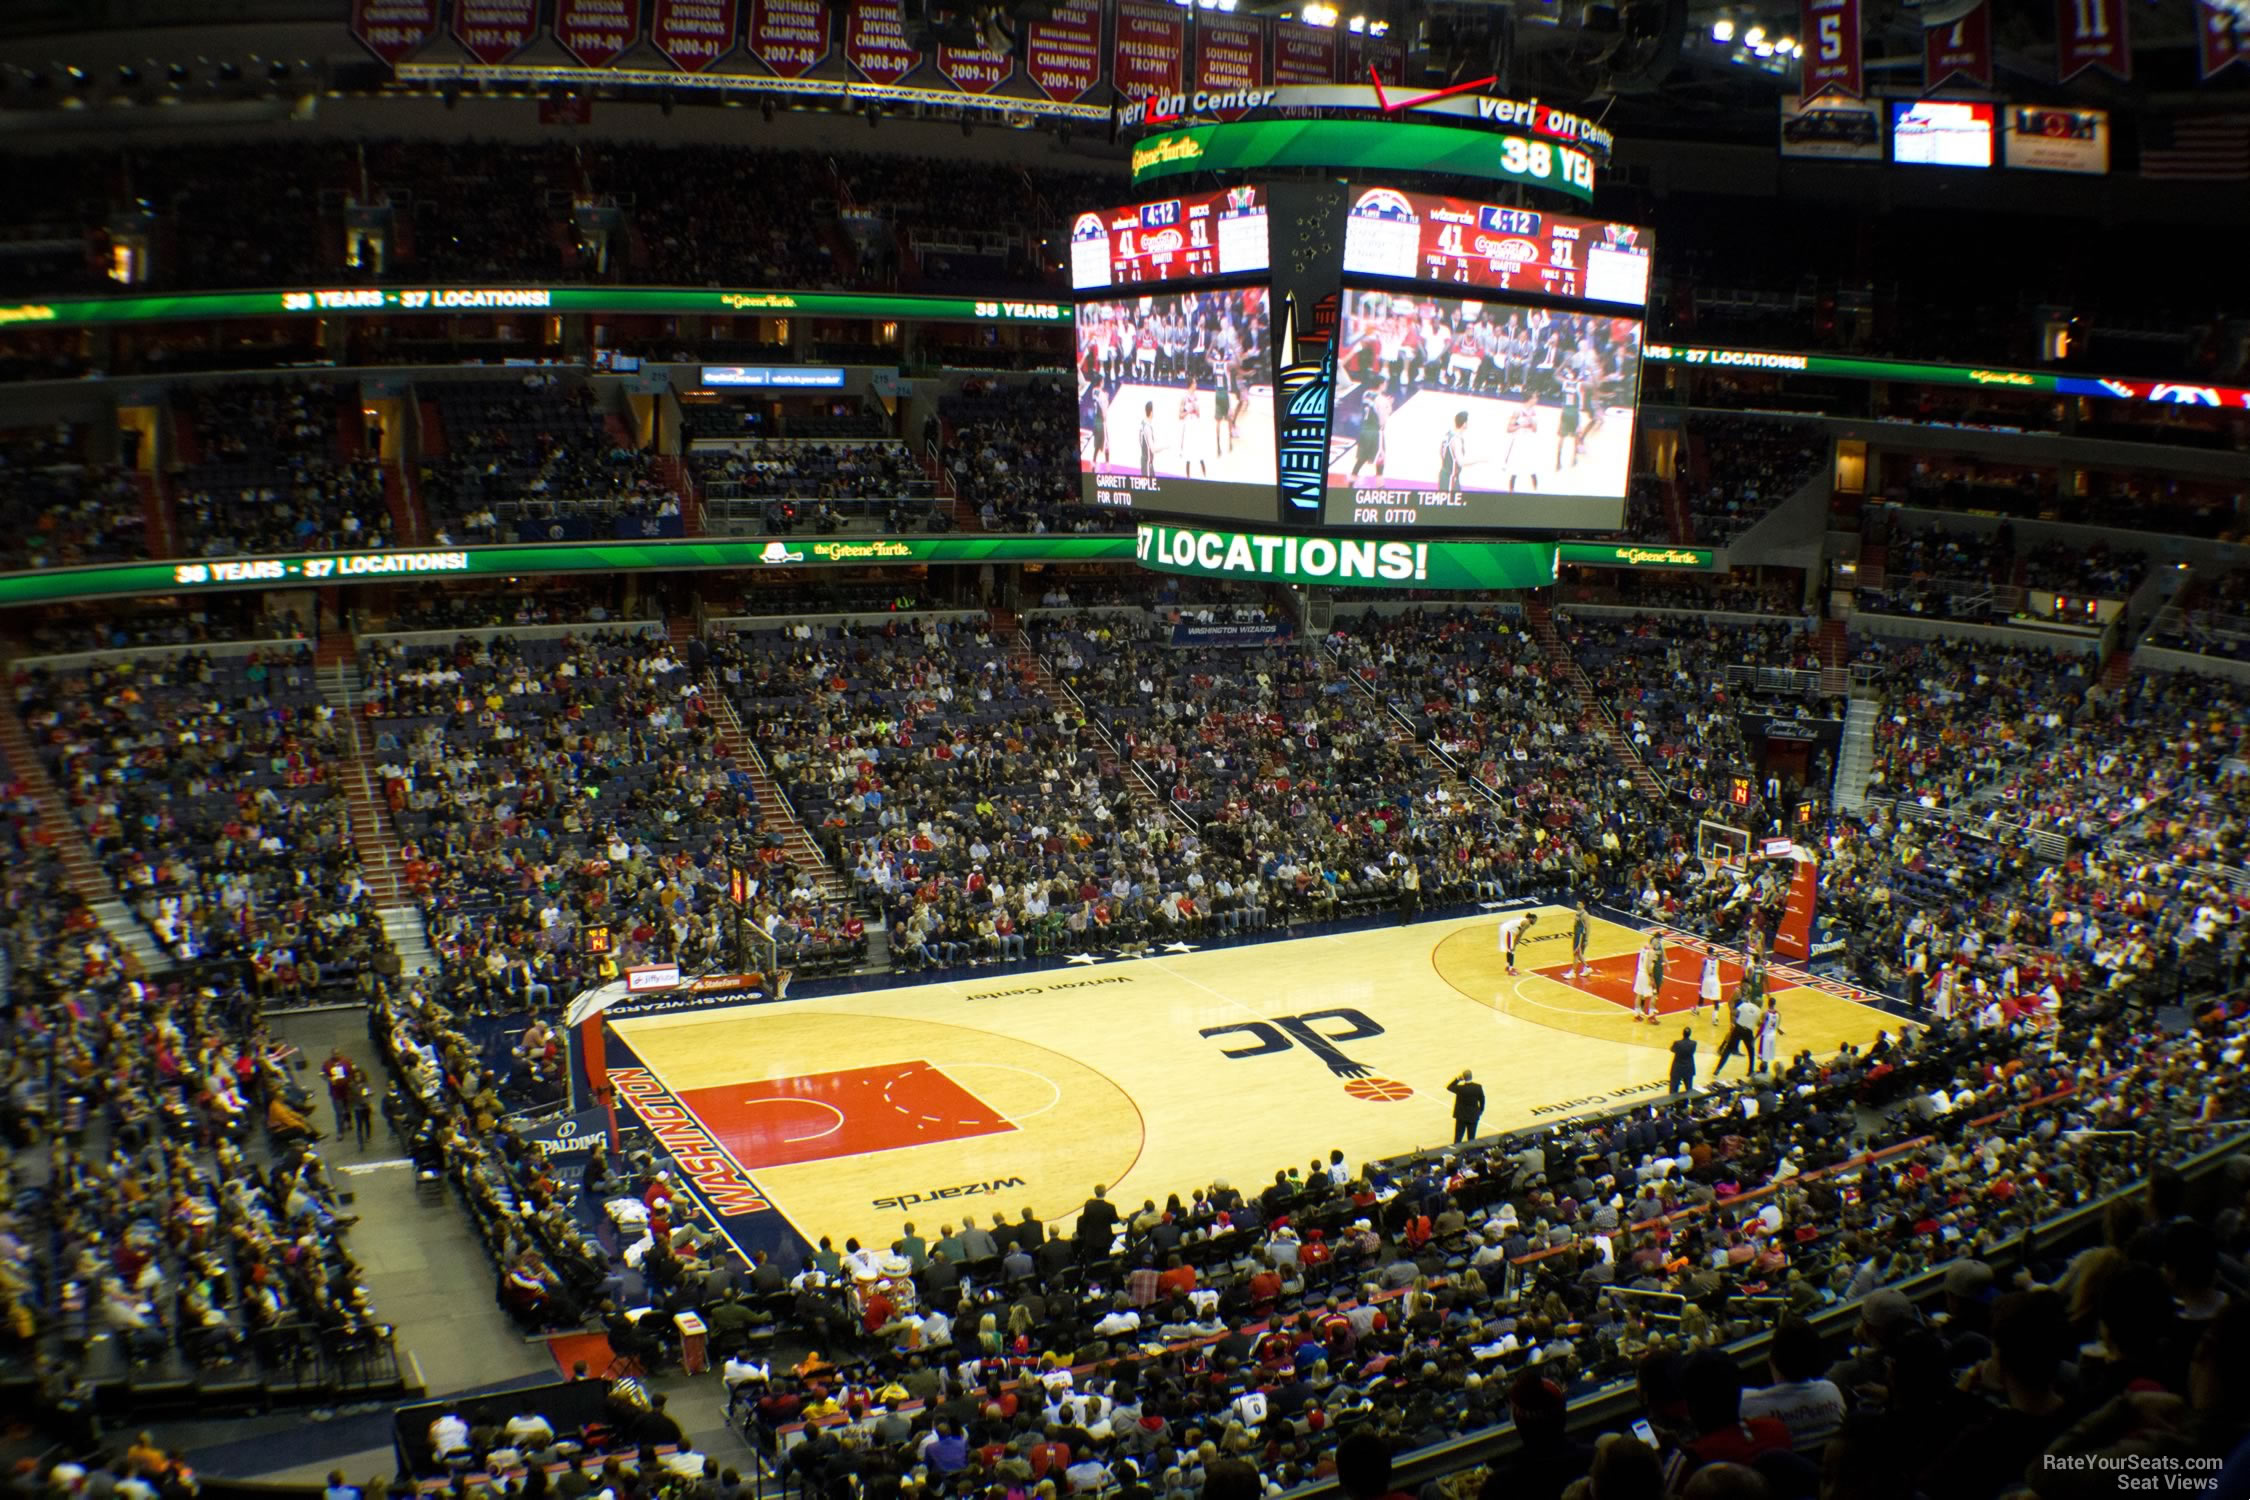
point(382, 861)
point(1398, 731)
point(1593, 713)
point(87, 879)
point(1849, 794)
point(775, 815)
point(1108, 757)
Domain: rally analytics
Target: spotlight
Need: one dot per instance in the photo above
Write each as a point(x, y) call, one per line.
point(176, 75)
point(1722, 30)
point(277, 70)
point(230, 72)
point(128, 76)
point(78, 77)
point(1754, 35)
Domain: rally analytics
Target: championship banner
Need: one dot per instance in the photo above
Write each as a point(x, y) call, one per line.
point(2222, 37)
point(495, 30)
point(1961, 50)
point(974, 70)
point(1063, 57)
point(1230, 54)
point(875, 41)
point(1150, 46)
point(789, 36)
point(393, 28)
point(693, 34)
point(1832, 50)
point(1303, 54)
point(597, 31)
point(1383, 56)
point(2091, 34)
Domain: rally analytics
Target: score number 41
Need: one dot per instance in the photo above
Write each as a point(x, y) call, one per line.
point(1539, 160)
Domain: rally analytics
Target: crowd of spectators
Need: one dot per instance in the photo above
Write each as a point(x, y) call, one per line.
point(1663, 678)
point(2210, 617)
point(534, 461)
point(162, 1199)
point(270, 473)
point(817, 486)
point(207, 787)
point(541, 786)
point(1736, 468)
point(1012, 451)
point(58, 509)
point(1969, 570)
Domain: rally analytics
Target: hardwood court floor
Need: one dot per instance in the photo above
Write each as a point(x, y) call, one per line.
point(854, 1113)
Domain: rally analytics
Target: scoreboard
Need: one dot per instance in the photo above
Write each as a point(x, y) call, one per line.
point(1423, 237)
point(1171, 239)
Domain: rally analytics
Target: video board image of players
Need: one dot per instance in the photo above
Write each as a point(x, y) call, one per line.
point(1175, 391)
point(1441, 400)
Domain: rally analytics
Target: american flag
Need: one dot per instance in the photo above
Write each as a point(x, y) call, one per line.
point(2205, 148)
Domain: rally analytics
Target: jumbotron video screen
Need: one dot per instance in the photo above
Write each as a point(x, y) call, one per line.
point(1472, 414)
point(1175, 403)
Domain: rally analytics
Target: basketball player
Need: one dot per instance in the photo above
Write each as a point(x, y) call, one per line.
point(1453, 456)
point(1097, 421)
point(1769, 1038)
point(1521, 453)
point(1571, 386)
point(1711, 991)
point(1512, 930)
point(1222, 408)
point(1648, 979)
point(1374, 415)
point(1581, 928)
point(1195, 439)
point(1148, 440)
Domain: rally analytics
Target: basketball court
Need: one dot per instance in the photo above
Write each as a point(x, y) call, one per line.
point(1248, 454)
point(1417, 429)
point(850, 1114)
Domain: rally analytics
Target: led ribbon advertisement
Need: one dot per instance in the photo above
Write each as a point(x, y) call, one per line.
point(1352, 145)
point(1361, 562)
point(74, 312)
point(322, 569)
point(1846, 367)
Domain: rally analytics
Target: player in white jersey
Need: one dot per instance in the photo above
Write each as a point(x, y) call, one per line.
point(1712, 990)
point(1519, 455)
point(1648, 978)
point(1769, 1038)
point(1196, 436)
point(1512, 930)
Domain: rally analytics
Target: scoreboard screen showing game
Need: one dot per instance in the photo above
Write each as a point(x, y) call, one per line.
point(1175, 404)
point(1422, 237)
point(1459, 414)
point(1171, 239)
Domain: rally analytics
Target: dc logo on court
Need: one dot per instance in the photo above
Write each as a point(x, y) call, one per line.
point(1283, 1033)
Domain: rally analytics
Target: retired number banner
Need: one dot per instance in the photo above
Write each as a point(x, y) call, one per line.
point(1961, 49)
point(2091, 34)
point(1832, 50)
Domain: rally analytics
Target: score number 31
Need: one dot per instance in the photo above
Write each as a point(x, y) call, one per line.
point(1537, 159)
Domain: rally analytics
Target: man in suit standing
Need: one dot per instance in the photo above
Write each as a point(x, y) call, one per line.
point(1097, 1225)
point(1683, 1062)
point(1468, 1106)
